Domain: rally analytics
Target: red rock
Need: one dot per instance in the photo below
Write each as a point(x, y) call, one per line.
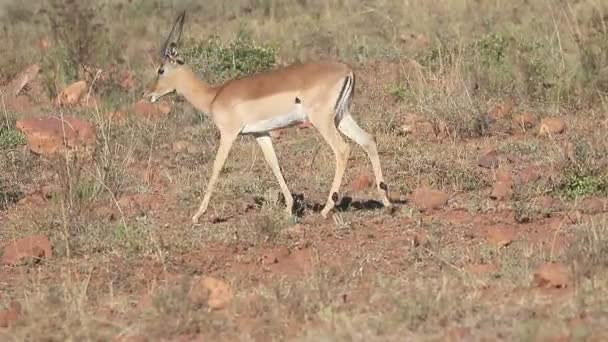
point(428, 199)
point(151, 111)
point(416, 125)
point(489, 160)
point(593, 205)
point(504, 175)
point(45, 135)
point(500, 236)
point(501, 191)
point(362, 182)
point(10, 315)
point(215, 292)
point(72, 94)
point(529, 174)
point(551, 125)
point(35, 246)
point(552, 275)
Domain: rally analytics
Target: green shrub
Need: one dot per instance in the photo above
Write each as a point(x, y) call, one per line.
point(585, 173)
point(11, 138)
point(576, 185)
point(219, 61)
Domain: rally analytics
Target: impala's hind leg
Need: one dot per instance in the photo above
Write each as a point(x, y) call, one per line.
point(326, 127)
point(351, 129)
point(270, 155)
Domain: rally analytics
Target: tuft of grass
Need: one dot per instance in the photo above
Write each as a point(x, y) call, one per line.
point(11, 138)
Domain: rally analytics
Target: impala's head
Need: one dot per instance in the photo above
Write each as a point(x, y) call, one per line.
point(167, 73)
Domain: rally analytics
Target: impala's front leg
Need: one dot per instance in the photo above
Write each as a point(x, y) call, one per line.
point(226, 141)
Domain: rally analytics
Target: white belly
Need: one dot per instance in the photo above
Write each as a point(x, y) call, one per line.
point(297, 115)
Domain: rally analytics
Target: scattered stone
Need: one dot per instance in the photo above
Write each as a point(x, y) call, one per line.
point(10, 315)
point(49, 135)
point(502, 190)
point(500, 236)
point(216, 293)
point(529, 174)
point(551, 125)
point(416, 125)
point(593, 205)
point(362, 182)
point(552, 275)
point(151, 111)
point(32, 247)
point(72, 94)
point(504, 175)
point(525, 120)
point(489, 160)
point(428, 199)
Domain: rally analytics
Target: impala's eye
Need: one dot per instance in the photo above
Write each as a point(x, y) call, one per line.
point(161, 71)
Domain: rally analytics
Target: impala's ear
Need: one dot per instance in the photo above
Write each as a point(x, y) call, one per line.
point(169, 48)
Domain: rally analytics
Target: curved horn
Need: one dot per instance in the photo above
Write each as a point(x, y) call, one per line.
point(179, 24)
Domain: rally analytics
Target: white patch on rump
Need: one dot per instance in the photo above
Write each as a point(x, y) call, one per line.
point(297, 115)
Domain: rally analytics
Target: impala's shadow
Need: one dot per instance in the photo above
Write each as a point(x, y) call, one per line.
point(346, 203)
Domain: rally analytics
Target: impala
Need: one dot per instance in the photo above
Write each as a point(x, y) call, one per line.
point(321, 93)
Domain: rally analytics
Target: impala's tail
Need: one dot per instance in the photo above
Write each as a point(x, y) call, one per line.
point(345, 98)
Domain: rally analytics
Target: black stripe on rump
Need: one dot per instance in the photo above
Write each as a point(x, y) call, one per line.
point(344, 98)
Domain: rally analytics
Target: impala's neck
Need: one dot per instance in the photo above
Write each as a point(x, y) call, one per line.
point(196, 91)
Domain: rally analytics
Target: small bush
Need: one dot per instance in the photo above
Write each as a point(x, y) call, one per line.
point(219, 61)
point(82, 42)
point(585, 173)
point(11, 138)
point(577, 185)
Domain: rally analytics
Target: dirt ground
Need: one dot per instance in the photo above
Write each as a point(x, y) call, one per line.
point(498, 229)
